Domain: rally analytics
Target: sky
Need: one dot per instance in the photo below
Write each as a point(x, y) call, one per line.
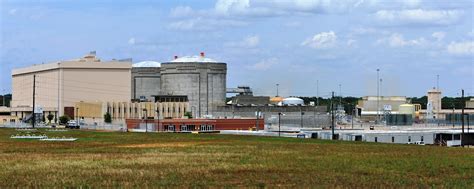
point(308, 47)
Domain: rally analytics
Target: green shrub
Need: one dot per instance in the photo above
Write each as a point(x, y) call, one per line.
point(64, 119)
point(107, 118)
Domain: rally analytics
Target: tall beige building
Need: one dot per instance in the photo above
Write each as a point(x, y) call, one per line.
point(59, 85)
point(434, 97)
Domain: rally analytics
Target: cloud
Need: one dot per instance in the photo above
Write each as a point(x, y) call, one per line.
point(131, 41)
point(230, 6)
point(321, 40)
point(181, 11)
point(438, 35)
point(12, 11)
point(418, 16)
point(461, 48)
point(264, 64)
point(204, 24)
point(247, 42)
point(351, 42)
point(397, 40)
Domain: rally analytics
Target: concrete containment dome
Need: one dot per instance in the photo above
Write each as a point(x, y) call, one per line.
point(194, 59)
point(146, 64)
point(292, 101)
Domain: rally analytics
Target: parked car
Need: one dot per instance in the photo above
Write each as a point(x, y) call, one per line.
point(419, 143)
point(72, 124)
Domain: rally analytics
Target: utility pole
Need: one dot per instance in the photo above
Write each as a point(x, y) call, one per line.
point(257, 116)
point(279, 123)
point(277, 88)
point(452, 117)
point(353, 115)
point(146, 121)
point(378, 97)
point(332, 115)
point(302, 113)
point(34, 91)
point(462, 117)
point(77, 116)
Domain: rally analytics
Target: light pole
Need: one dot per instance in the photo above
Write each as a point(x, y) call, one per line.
point(378, 97)
point(277, 85)
point(332, 117)
point(146, 117)
point(302, 113)
point(77, 116)
point(158, 118)
point(279, 124)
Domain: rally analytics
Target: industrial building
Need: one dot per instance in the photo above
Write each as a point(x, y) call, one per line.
point(202, 79)
point(189, 125)
point(59, 85)
point(146, 81)
point(434, 136)
point(164, 107)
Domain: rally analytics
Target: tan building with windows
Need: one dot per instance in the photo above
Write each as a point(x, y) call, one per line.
point(93, 112)
point(59, 85)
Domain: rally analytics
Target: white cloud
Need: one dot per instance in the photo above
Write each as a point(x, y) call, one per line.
point(438, 35)
point(229, 6)
point(321, 40)
point(247, 42)
point(418, 16)
point(397, 40)
point(12, 11)
point(181, 11)
point(204, 24)
point(264, 64)
point(351, 42)
point(131, 41)
point(461, 48)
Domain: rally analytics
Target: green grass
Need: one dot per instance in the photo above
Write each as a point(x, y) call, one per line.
point(106, 159)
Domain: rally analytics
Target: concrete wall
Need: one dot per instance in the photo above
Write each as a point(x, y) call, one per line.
point(203, 83)
point(146, 81)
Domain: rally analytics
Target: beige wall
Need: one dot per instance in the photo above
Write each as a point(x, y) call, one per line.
point(94, 111)
point(62, 84)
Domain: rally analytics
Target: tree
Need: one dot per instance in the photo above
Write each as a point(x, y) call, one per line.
point(107, 118)
point(50, 117)
point(64, 119)
point(188, 114)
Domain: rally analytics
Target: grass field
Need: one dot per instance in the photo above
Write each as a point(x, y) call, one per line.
point(106, 159)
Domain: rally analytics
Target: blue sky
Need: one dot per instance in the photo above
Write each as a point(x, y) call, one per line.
point(293, 43)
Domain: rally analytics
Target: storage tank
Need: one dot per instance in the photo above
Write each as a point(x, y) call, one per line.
point(293, 101)
point(202, 79)
point(407, 109)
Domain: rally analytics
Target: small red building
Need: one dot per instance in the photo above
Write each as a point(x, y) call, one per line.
point(182, 125)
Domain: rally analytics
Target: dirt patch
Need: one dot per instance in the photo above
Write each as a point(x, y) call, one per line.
point(163, 145)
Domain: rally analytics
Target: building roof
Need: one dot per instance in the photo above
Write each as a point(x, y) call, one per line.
point(188, 59)
point(146, 64)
